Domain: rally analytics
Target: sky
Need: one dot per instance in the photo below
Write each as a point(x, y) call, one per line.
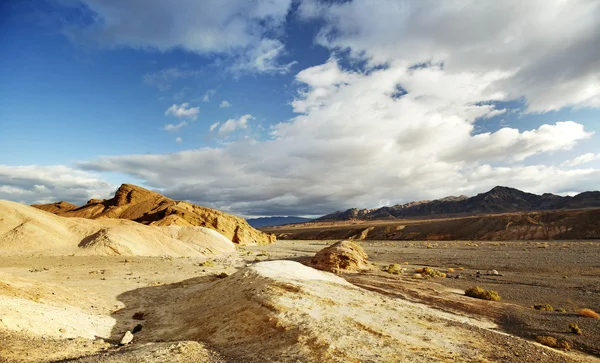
point(287, 107)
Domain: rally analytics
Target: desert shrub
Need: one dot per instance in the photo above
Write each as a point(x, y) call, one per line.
point(544, 307)
point(207, 263)
point(560, 310)
point(575, 329)
point(588, 313)
point(479, 293)
point(450, 270)
point(393, 269)
point(429, 272)
point(222, 275)
point(553, 343)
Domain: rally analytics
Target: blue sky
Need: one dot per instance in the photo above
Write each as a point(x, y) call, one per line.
point(285, 107)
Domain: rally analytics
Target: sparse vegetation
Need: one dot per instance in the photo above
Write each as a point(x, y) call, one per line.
point(575, 329)
point(560, 310)
point(207, 263)
point(543, 307)
point(222, 275)
point(553, 342)
point(450, 270)
point(480, 293)
point(394, 269)
point(428, 272)
point(588, 313)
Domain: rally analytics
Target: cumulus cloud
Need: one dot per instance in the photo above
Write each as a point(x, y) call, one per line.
point(172, 127)
point(400, 121)
point(232, 125)
point(224, 104)
point(234, 29)
point(45, 184)
point(183, 111)
point(547, 51)
point(582, 159)
point(355, 144)
point(178, 140)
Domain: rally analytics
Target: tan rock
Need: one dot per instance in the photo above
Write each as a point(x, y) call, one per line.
point(57, 207)
point(148, 207)
point(341, 256)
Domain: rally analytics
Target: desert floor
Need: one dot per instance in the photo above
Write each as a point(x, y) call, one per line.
point(563, 274)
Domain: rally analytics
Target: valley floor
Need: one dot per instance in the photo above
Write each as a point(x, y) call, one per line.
point(564, 274)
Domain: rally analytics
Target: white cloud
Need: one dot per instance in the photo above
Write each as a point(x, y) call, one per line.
point(225, 104)
point(582, 159)
point(386, 131)
point(164, 78)
point(236, 29)
point(546, 50)
point(355, 144)
point(183, 111)
point(172, 127)
point(208, 94)
point(178, 140)
point(232, 125)
point(45, 184)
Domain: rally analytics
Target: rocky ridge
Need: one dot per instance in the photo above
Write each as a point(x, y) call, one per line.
point(498, 200)
point(147, 207)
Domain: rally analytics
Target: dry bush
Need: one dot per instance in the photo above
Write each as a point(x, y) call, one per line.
point(553, 343)
point(450, 270)
point(575, 329)
point(479, 293)
point(393, 269)
point(588, 313)
point(429, 272)
point(560, 310)
point(544, 307)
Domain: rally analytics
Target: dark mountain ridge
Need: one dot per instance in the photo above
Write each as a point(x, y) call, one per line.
point(498, 200)
point(275, 221)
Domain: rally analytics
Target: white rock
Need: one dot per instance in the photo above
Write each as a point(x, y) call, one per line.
point(127, 338)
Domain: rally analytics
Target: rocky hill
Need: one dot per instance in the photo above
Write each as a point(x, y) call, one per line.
point(548, 225)
point(498, 200)
point(25, 230)
point(147, 207)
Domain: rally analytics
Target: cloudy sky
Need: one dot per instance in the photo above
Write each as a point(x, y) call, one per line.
point(285, 107)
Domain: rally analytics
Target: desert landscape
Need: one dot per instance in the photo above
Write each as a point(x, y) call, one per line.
point(139, 277)
point(299, 181)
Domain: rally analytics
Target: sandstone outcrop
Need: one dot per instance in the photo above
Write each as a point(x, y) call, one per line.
point(148, 207)
point(341, 256)
point(25, 230)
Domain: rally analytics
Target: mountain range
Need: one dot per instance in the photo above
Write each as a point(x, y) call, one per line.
point(275, 221)
point(498, 200)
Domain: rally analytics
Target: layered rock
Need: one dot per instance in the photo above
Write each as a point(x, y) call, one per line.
point(147, 207)
point(341, 256)
point(25, 230)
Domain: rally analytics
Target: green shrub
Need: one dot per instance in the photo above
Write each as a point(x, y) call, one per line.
point(575, 329)
point(393, 269)
point(207, 263)
point(553, 343)
point(544, 307)
point(479, 293)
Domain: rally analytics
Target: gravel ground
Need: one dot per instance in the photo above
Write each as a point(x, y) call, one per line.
point(564, 274)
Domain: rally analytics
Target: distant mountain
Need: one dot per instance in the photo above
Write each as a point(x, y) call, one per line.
point(275, 221)
point(498, 200)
